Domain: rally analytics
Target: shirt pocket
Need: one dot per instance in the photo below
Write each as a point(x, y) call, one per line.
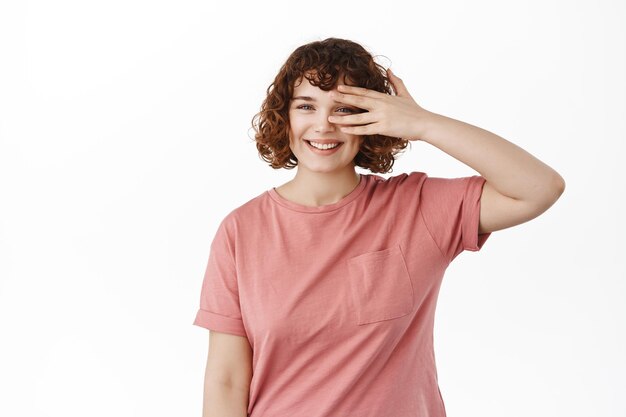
point(380, 284)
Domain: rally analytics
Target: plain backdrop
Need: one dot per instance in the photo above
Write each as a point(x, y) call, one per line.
point(125, 138)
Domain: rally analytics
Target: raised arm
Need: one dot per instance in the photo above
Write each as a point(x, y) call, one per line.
point(518, 186)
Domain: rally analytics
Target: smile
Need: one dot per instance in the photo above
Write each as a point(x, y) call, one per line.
point(324, 149)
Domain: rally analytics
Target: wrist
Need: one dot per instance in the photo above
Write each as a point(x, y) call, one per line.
point(423, 124)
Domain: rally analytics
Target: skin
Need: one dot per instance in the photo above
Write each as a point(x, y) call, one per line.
point(320, 179)
point(518, 188)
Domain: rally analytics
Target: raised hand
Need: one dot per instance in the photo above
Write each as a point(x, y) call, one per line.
point(390, 115)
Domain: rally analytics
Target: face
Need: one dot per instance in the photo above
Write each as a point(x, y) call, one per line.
point(308, 117)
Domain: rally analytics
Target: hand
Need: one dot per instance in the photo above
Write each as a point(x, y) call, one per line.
point(396, 116)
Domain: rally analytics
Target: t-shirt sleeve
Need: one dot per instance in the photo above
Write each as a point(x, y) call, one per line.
point(219, 298)
point(450, 208)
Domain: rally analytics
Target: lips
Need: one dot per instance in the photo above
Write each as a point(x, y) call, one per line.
point(323, 151)
point(324, 141)
point(332, 144)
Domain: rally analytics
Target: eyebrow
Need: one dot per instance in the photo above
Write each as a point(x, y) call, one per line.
point(305, 98)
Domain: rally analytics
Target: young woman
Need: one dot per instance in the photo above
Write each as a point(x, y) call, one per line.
point(320, 294)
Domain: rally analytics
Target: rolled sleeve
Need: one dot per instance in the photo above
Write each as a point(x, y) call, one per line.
point(450, 208)
point(472, 240)
point(219, 307)
point(219, 323)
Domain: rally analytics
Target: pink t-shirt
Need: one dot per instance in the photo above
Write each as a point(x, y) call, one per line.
point(338, 301)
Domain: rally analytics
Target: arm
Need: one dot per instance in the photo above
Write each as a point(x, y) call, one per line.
point(222, 400)
point(519, 186)
point(227, 376)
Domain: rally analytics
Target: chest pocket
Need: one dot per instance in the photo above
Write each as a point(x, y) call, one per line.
point(380, 285)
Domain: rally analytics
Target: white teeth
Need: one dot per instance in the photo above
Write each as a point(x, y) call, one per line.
point(323, 146)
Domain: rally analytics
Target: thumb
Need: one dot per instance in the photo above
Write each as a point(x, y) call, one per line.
point(398, 84)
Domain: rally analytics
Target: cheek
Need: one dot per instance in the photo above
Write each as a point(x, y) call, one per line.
point(295, 123)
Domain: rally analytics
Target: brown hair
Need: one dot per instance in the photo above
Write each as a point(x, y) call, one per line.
point(322, 62)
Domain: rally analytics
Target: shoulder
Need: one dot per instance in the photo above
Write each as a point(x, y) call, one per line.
point(405, 179)
point(242, 215)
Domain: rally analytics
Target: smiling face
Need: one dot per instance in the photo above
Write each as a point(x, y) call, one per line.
point(309, 110)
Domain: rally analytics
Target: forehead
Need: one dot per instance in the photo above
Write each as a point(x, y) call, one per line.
point(303, 84)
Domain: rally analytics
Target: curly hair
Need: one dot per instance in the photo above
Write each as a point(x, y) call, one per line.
point(322, 63)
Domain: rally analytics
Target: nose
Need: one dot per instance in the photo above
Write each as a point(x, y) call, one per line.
point(323, 125)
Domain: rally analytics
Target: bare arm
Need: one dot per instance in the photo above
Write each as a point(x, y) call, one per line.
point(518, 186)
point(221, 400)
point(227, 377)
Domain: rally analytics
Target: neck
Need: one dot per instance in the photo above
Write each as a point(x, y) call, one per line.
point(320, 188)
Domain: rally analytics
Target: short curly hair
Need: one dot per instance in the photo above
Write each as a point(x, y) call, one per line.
point(322, 63)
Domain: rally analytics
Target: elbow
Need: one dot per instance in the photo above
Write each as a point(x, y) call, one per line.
point(552, 194)
point(549, 195)
point(559, 185)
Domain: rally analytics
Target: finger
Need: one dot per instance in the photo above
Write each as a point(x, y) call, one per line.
point(370, 129)
point(361, 102)
point(353, 119)
point(360, 91)
point(398, 84)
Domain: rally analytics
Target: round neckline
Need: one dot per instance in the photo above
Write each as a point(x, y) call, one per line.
point(363, 178)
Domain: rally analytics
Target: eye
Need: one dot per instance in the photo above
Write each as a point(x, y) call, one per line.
point(302, 107)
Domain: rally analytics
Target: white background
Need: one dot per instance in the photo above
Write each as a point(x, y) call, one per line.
point(125, 138)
